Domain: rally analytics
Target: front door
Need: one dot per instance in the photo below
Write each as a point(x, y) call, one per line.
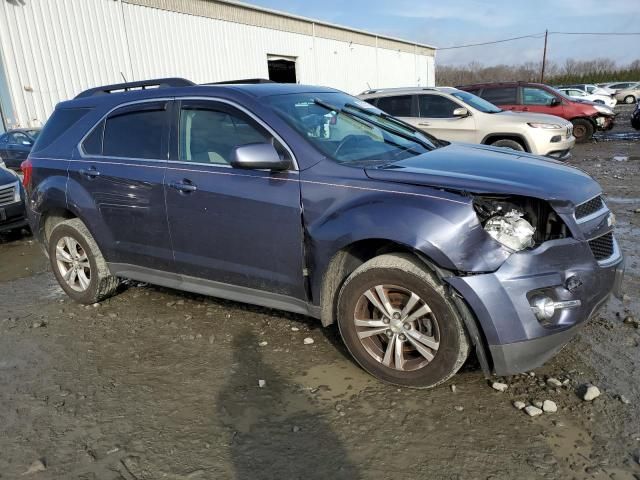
point(233, 226)
point(437, 118)
point(118, 175)
point(539, 100)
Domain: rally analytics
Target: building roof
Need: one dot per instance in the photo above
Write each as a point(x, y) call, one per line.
point(240, 12)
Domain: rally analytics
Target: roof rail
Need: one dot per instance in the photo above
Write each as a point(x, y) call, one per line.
point(141, 85)
point(244, 81)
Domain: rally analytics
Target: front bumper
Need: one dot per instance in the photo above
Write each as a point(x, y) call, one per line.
point(559, 149)
point(12, 216)
point(516, 340)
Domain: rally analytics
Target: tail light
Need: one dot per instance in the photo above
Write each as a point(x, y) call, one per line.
point(27, 170)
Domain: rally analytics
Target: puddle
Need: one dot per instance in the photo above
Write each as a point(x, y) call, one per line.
point(618, 136)
point(335, 380)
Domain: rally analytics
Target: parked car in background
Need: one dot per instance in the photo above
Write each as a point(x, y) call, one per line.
point(586, 117)
point(458, 116)
point(307, 199)
point(613, 87)
point(630, 94)
point(12, 202)
point(589, 88)
point(635, 117)
point(607, 100)
point(15, 146)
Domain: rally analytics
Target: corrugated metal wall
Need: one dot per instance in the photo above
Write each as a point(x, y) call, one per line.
point(50, 50)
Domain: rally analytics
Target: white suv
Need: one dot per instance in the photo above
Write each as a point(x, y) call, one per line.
point(457, 116)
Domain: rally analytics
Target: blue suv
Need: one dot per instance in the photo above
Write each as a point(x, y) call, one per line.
point(309, 200)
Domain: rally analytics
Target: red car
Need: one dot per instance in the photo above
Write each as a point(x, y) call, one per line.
point(587, 117)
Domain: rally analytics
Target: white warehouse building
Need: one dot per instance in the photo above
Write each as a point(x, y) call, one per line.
point(51, 50)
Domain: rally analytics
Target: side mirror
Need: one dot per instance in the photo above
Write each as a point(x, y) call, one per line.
point(27, 143)
point(554, 102)
point(461, 112)
point(258, 156)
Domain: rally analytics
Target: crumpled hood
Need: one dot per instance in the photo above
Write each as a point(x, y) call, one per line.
point(491, 170)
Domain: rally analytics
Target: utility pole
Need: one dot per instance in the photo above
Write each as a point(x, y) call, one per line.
point(544, 56)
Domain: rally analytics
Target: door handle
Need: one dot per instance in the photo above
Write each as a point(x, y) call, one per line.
point(424, 124)
point(184, 187)
point(91, 173)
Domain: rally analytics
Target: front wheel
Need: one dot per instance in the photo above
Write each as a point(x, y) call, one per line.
point(78, 264)
point(399, 324)
point(582, 129)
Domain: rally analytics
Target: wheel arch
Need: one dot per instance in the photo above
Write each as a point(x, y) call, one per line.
point(494, 137)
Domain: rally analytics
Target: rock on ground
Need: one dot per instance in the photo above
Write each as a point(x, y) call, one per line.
point(532, 411)
point(549, 406)
point(501, 387)
point(591, 393)
point(519, 404)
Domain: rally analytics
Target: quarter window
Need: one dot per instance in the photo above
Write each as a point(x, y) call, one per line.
point(92, 145)
point(136, 132)
point(208, 134)
point(501, 96)
point(398, 106)
point(436, 106)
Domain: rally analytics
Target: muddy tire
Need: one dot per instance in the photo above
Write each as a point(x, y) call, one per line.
point(398, 322)
point(507, 143)
point(78, 264)
point(582, 129)
point(629, 99)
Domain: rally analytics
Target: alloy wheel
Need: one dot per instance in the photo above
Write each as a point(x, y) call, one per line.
point(73, 264)
point(396, 327)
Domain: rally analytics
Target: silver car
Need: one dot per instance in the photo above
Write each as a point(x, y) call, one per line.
point(630, 94)
point(458, 116)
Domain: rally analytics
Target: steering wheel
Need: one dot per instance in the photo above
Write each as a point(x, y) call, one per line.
point(346, 141)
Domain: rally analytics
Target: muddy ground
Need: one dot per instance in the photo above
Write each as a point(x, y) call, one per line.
point(156, 383)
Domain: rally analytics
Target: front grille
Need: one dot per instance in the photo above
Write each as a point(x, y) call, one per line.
point(7, 195)
point(602, 247)
point(587, 208)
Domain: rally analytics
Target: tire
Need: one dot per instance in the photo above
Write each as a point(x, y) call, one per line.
point(629, 99)
point(400, 276)
point(92, 281)
point(507, 143)
point(582, 129)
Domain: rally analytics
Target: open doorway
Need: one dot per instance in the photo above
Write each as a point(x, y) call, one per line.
point(282, 69)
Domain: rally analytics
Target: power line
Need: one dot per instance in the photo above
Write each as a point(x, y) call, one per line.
point(538, 35)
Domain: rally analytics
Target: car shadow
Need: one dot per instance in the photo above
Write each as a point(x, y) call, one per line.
point(276, 430)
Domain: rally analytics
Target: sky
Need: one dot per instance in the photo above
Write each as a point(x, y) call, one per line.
point(458, 22)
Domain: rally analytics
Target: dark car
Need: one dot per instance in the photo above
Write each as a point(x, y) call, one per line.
point(587, 117)
point(309, 200)
point(15, 146)
point(12, 202)
point(635, 117)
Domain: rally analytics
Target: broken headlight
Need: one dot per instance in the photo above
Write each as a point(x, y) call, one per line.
point(511, 230)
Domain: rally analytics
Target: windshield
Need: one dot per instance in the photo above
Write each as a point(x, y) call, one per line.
point(349, 130)
point(476, 102)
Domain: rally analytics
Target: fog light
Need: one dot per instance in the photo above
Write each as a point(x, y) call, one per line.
point(543, 308)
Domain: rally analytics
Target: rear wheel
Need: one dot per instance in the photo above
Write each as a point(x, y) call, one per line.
point(399, 324)
point(582, 129)
point(629, 99)
point(508, 143)
point(78, 263)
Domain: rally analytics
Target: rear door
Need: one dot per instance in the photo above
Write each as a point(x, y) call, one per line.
point(233, 226)
point(119, 175)
point(17, 149)
point(401, 106)
point(436, 117)
point(504, 97)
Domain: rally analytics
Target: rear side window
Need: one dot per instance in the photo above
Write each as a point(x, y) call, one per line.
point(398, 106)
point(137, 131)
point(60, 121)
point(501, 96)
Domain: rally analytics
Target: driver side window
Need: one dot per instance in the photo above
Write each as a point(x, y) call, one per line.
point(536, 96)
